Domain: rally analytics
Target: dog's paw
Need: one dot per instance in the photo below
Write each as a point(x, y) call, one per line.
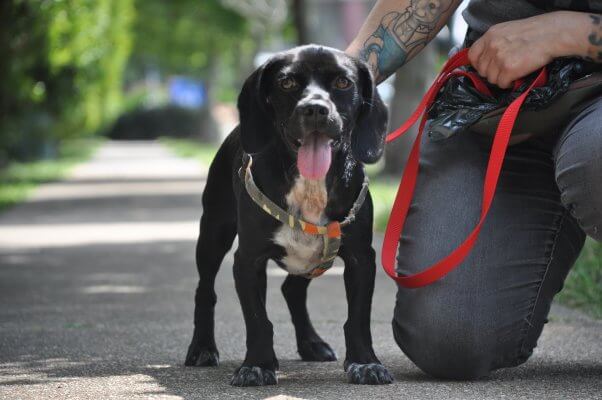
point(201, 357)
point(316, 351)
point(253, 376)
point(368, 374)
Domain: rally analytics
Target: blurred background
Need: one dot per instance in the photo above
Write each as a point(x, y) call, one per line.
point(143, 69)
point(75, 73)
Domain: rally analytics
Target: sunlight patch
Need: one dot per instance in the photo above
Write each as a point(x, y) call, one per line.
point(124, 289)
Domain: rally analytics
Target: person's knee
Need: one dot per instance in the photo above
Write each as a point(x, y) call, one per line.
point(579, 174)
point(446, 347)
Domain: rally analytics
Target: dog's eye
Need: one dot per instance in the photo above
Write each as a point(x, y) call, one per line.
point(342, 83)
point(288, 84)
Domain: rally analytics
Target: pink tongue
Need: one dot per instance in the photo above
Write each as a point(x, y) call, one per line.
point(313, 158)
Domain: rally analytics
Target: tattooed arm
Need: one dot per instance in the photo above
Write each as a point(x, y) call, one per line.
point(511, 50)
point(594, 39)
point(396, 31)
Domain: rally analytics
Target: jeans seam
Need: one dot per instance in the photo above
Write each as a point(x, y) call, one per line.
point(531, 315)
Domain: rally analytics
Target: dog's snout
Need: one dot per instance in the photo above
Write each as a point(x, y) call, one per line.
point(314, 109)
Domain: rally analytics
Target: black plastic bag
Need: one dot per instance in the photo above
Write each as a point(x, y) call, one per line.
point(459, 105)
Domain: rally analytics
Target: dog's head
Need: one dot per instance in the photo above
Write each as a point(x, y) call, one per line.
point(313, 99)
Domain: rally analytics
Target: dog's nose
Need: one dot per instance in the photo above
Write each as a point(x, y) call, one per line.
point(314, 109)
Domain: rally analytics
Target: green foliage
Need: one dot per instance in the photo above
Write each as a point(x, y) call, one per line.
point(200, 39)
point(583, 286)
point(18, 179)
point(183, 37)
point(61, 63)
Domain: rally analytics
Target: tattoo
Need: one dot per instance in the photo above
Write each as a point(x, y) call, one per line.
point(401, 35)
point(595, 39)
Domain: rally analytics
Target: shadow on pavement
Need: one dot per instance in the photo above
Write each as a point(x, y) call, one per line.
point(105, 320)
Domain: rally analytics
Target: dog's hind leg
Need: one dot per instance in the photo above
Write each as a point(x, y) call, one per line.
point(217, 232)
point(310, 345)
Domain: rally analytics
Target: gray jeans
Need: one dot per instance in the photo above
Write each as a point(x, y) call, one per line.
point(490, 311)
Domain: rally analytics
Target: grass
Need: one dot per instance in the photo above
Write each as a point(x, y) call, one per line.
point(383, 192)
point(583, 286)
point(18, 179)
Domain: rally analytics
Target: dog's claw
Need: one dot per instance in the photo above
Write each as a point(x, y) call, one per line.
point(316, 351)
point(368, 374)
point(202, 357)
point(253, 376)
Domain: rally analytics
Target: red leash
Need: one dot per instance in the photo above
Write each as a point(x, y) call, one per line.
point(405, 192)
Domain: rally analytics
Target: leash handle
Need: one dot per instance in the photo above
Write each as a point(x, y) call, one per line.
point(407, 185)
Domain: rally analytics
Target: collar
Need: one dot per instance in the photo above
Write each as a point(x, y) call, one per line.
point(331, 232)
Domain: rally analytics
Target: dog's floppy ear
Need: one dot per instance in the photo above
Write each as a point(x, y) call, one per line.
point(256, 119)
point(368, 136)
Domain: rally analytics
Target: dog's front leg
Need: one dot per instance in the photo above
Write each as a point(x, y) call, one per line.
point(260, 364)
point(361, 364)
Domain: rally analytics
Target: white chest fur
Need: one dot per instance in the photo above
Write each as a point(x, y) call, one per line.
point(307, 199)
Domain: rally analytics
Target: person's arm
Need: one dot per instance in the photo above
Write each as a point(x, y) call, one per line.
point(511, 50)
point(395, 31)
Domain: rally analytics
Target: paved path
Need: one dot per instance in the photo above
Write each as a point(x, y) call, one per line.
point(96, 289)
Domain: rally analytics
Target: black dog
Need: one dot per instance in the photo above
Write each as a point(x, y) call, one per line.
point(310, 117)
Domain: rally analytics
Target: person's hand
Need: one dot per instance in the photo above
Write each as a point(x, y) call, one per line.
point(511, 50)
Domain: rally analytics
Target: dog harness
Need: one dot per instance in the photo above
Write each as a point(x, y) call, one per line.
point(331, 232)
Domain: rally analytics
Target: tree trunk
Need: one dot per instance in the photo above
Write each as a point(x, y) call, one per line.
point(300, 21)
point(411, 83)
point(209, 131)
